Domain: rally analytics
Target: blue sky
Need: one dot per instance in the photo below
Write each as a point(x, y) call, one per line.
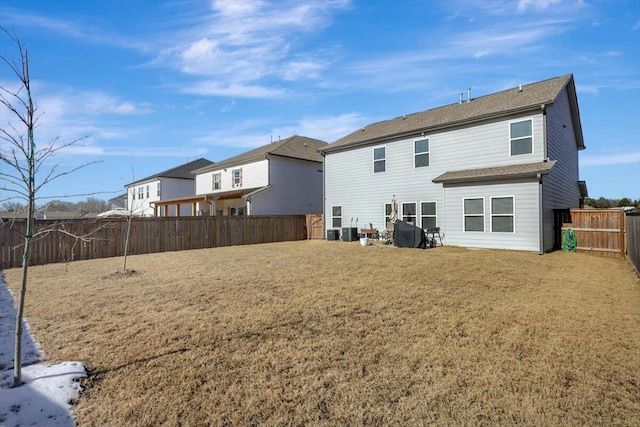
point(154, 84)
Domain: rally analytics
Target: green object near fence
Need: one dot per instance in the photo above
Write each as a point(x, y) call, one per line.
point(570, 241)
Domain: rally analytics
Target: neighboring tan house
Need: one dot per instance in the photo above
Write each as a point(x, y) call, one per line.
point(497, 171)
point(281, 178)
point(174, 183)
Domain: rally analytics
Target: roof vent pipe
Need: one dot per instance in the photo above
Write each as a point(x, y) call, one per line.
point(520, 87)
point(460, 101)
point(468, 94)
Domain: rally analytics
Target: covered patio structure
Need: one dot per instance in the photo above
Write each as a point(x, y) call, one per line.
point(185, 206)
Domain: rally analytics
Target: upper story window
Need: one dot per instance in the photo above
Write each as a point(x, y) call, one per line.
point(428, 215)
point(409, 212)
point(336, 216)
point(237, 177)
point(521, 137)
point(158, 188)
point(474, 214)
point(502, 214)
point(421, 153)
point(140, 193)
point(216, 181)
point(379, 159)
point(147, 191)
point(133, 194)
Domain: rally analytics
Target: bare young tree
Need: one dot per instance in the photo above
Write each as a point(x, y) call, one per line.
point(25, 172)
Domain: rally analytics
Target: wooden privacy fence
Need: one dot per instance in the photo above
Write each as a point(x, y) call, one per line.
point(600, 231)
point(106, 237)
point(315, 227)
point(633, 238)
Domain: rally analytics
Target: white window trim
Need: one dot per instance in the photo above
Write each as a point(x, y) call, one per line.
point(159, 188)
point(373, 157)
point(416, 216)
point(428, 152)
point(213, 181)
point(430, 216)
point(511, 139)
point(233, 177)
point(513, 214)
point(385, 216)
point(484, 216)
point(332, 216)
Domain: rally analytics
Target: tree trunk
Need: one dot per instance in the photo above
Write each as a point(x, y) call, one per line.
point(31, 209)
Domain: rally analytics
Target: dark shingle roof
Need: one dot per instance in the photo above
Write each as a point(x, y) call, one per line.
point(297, 147)
point(500, 172)
point(510, 101)
point(179, 172)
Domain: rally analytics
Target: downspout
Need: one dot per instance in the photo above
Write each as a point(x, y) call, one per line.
point(545, 148)
point(540, 216)
point(324, 196)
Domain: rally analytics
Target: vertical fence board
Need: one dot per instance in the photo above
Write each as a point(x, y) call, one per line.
point(633, 239)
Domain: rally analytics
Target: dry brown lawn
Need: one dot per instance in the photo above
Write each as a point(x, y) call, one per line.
point(333, 333)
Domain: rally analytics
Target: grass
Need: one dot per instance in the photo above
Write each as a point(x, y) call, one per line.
point(333, 333)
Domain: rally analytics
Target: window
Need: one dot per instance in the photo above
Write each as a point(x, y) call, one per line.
point(133, 194)
point(474, 214)
point(421, 153)
point(336, 216)
point(237, 177)
point(379, 157)
point(158, 188)
point(241, 211)
point(521, 138)
point(502, 214)
point(428, 215)
point(140, 193)
point(409, 212)
point(387, 213)
point(216, 181)
point(147, 191)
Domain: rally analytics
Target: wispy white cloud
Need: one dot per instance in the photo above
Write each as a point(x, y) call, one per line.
point(238, 90)
point(327, 128)
point(523, 5)
point(614, 159)
point(86, 31)
point(636, 27)
point(251, 134)
point(241, 44)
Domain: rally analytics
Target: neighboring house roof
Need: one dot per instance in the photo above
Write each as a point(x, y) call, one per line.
point(13, 215)
point(179, 172)
point(297, 147)
point(527, 170)
point(63, 214)
point(520, 99)
point(118, 201)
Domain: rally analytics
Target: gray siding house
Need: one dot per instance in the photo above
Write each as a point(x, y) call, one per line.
point(497, 171)
point(280, 178)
